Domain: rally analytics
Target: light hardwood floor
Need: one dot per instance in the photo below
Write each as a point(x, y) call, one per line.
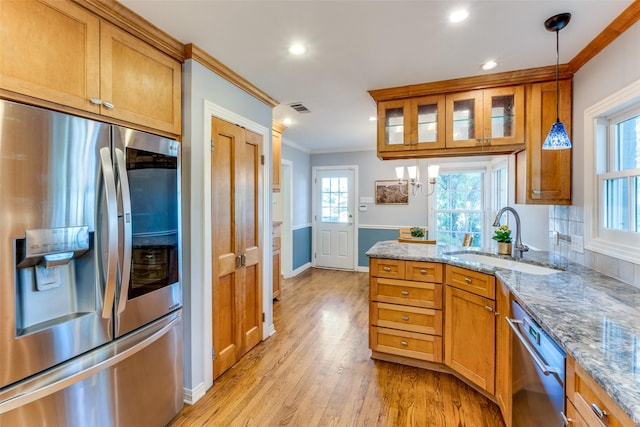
point(317, 371)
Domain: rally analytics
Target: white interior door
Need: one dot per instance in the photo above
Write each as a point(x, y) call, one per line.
point(334, 218)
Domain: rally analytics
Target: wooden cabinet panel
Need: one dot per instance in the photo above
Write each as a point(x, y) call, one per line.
point(470, 336)
point(50, 50)
point(417, 294)
point(472, 281)
point(544, 176)
point(390, 268)
point(276, 260)
point(503, 351)
point(407, 344)
point(423, 271)
point(59, 52)
point(583, 392)
point(415, 319)
point(464, 120)
point(142, 83)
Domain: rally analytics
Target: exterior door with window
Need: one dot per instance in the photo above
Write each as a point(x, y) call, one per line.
point(334, 221)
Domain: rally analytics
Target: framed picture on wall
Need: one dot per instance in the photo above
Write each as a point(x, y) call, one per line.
point(392, 192)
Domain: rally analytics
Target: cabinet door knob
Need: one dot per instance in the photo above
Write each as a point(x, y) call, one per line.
point(488, 308)
point(405, 293)
point(423, 272)
point(96, 101)
point(387, 269)
point(536, 192)
point(404, 344)
point(405, 318)
point(566, 420)
point(467, 280)
point(108, 105)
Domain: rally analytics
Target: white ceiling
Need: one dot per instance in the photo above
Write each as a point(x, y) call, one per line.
point(355, 46)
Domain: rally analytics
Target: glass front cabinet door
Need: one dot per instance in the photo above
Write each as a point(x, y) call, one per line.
point(411, 124)
point(491, 117)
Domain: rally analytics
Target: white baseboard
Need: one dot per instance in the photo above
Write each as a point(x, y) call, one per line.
point(271, 329)
point(362, 269)
point(301, 269)
point(191, 396)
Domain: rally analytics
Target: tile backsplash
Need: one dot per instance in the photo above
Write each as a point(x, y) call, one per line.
point(568, 221)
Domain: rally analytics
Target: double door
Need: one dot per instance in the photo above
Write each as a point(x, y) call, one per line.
point(236, 182)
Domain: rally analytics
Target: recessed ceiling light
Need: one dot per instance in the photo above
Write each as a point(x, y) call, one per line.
point(489, 65)
point(458, 15)
point(287, 121)
point(297, 49)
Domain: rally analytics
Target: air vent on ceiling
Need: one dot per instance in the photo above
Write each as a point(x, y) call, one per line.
point(299, 107)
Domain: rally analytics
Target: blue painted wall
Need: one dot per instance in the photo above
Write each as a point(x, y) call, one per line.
point(367, 237)
point(301, 247)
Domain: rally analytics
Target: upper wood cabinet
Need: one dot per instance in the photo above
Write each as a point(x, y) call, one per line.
point(481, 118)
point(544, 176)
point(462, 123)
point(61, 53)
point(276, 155)
point(411, 124)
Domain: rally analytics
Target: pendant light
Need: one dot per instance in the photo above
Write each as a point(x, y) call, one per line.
point(557, 138)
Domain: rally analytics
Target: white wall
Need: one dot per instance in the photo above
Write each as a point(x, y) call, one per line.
point(301, 182)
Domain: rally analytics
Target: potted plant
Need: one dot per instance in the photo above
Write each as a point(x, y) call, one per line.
point(417, 232)
point(503, 237)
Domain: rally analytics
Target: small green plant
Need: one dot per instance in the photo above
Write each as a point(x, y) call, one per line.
point(417, 232)
point(502, 234)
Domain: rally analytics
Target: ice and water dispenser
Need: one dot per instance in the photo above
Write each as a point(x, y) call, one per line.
point(54, 277)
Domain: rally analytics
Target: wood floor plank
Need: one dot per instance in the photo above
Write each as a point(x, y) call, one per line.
point(317, 371)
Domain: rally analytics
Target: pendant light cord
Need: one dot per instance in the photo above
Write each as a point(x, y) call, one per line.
point(557, 74)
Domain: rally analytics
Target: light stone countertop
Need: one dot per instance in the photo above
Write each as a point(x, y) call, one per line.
point(593, 317)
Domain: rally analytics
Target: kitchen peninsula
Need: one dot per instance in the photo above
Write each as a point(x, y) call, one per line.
point(594, 318)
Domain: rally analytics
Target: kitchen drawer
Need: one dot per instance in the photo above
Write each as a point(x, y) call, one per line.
point(472, 281)
point(423, 271)
point(151, 256)
point(418, 294)
point(390, 268)
point(584, 393)
point(407, 344)
point(406, 318)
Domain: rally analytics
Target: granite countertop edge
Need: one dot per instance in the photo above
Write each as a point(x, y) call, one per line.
point(593, 317)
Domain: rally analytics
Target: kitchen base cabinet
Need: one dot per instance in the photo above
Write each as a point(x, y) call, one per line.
point(470, 336)
point(588, 404)
point(405, 309)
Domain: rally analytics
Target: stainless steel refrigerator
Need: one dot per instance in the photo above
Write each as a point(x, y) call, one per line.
point(90, 291)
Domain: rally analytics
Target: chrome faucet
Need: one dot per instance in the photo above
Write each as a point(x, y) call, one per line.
point(519, 248)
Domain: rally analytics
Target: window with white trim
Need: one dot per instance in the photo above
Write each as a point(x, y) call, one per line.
point(459, 206)
point(618, 187)
point(612, 175)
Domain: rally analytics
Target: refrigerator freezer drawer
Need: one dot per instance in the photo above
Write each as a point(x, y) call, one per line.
point(133, 381)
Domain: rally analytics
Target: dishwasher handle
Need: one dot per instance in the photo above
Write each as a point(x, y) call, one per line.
point(546, 369)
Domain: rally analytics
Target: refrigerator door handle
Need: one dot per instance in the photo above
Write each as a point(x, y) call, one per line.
point(125, 274)
point(112, 231)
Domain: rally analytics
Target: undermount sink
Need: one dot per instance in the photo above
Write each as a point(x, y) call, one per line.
point(505, 263)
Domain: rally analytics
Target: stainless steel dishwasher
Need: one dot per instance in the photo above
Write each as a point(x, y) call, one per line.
point(538, 374)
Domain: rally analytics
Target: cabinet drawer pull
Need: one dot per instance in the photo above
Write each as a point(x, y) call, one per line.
point(404, 344)
point(488, 308)
point(599, 412)
point(405, 318)
point(405, 293)
point(467, 280)
point(387, 268)
point(423, 272)
point(95, 101)
point(566, 420)
point(108, 105)
point(536, 192)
